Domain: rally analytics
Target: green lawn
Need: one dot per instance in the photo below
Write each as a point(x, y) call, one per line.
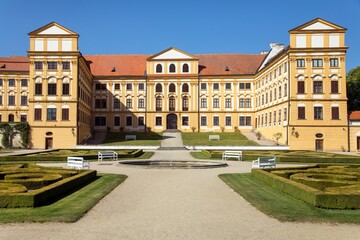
point(68, 209)
point(226, 139)
point(283, 206)
point(142, 139)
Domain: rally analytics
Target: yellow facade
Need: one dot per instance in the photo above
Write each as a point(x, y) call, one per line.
point(298, 91)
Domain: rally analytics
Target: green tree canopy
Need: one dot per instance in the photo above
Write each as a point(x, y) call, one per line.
point(353, 89)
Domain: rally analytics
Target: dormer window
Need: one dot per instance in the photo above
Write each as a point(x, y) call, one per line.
point(172, 68)
point(185, 68)
point(159, 68)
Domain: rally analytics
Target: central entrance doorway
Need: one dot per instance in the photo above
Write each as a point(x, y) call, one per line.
point(171, 121)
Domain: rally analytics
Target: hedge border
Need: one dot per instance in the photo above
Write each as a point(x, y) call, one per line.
point(305, 193)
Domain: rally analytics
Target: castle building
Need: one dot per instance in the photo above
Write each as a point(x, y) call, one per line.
point(297, 90)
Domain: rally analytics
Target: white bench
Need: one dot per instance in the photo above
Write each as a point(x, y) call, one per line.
point(130, 137)
point(232, 154)
point(107, 154)
point(77, 162)
point(262, 162)
point(214, 137)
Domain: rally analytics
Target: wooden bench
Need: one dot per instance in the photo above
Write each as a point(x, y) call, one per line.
point(77, 162)
point(214, 137)
point(232, 154)
point(107, 154)
point(263, 162)
point(130, 137)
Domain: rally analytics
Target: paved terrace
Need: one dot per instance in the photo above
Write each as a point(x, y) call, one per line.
point(175, 204)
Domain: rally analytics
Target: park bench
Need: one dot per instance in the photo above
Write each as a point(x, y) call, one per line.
point(232, 154)
point(77, 162)
point(214, 137)
point(107, 154)
point(263, 162)
point(130, 137)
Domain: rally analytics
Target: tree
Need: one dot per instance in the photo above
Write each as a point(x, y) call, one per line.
point(353, 89)
point(277, 136)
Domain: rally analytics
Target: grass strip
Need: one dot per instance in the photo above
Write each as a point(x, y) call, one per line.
point(68, 209)
point(282, 206)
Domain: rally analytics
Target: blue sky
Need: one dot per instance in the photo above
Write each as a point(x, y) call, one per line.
point(194, 26)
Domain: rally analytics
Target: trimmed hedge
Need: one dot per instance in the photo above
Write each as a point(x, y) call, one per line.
point(32, 180)
point(7, 188)
point(323, 186)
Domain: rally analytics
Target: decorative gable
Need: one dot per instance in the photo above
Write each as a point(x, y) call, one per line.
point(318, 26)
point(173, 54)
point(52, 28)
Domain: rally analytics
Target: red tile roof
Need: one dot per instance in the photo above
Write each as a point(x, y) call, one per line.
point(211, 64)
point(354, 115)
point(14, 63)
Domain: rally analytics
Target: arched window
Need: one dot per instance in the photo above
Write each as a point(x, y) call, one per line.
point(185, 103)
point(185, 68)
point(172, 88)
point(158, 104)
point(159, 68)
point(11, 117)
point(172, 103)
point(158, 88)
point(185, 87)
point(172, 68)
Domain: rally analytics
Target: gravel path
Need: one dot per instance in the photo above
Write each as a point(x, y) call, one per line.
point(175, 204)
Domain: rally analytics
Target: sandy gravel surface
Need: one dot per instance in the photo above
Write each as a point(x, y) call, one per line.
point(176, 204)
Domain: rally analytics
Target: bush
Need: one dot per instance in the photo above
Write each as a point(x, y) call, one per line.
point(32, 180)
point(7, 188)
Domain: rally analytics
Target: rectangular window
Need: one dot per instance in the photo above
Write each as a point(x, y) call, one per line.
point(242, 121)
point(38, 65)
point(216, 103)
point(228, 102)
point(141, 121)
point(248, 103)
point(203, 86)
point(241, 85)
point(203, 121)
point(129, 87)
point(117, 121)
point(117, 86)
point(52, 89)
point(285, 67)
point(203, 103)
point(37, 115)
point(65, 65)
point(100, 121)
point(274, 117)
point(318, 87)
point(158, 121)
point(300, 62)
point(117, 103)
point(335, 113)
point(301, 112)
point(100, 86)
point(23, 118)
point(318, 113)
point(65, 114)
point(334, 62)
point(141, 103)
point(51, 114)
point(1, 82)
point(1, 100)
point(52, 65)
point(129, 120)
point(334, 87)
point(228, 121)
point(38, 88)
point(185, 121)
point(100, 103)
point(300, 87)
point(241, 102)
point(216, 121)
point(285, 114)
point(248, 121)
point(65, 89)
point(317, 62)
point(24, 101)
point(11, 82)
point(247, 85)
point(129, 103)
point(216, 86)
point(228, 86)
point(279, 119)
point(24, 82)
point(141, 86)
point(11, 101)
